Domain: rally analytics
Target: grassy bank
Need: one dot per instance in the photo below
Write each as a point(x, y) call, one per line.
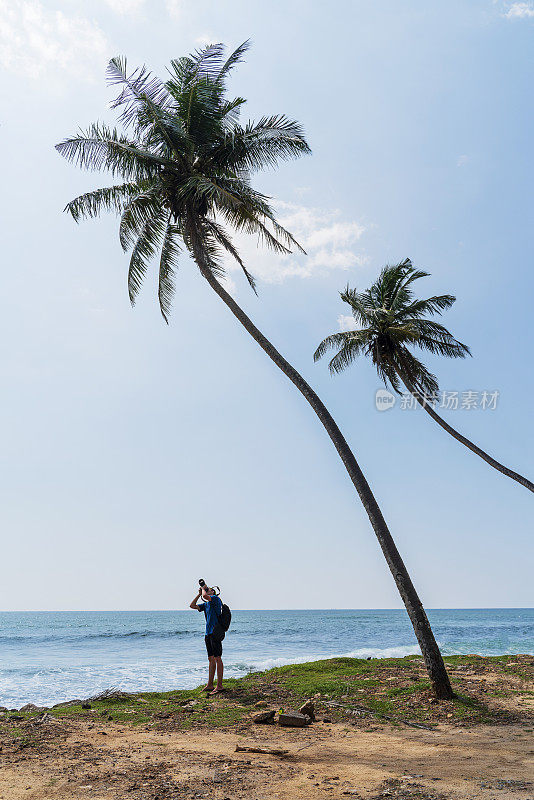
point(489, 689)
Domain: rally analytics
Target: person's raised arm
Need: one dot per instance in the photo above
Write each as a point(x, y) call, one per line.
point(193, 603)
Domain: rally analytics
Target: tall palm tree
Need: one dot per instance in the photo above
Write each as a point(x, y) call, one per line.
point(391, 322)
point(186, 164)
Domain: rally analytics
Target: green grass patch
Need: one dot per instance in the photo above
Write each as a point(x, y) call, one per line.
point(393, 688)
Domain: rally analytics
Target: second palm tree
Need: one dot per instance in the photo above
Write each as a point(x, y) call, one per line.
point(391, 321)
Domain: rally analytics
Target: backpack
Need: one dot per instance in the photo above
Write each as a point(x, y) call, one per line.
point(225, 617)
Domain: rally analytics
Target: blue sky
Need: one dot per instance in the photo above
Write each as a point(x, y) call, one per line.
point(139, 457)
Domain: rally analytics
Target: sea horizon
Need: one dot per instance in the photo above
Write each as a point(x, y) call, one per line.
point(293, 608)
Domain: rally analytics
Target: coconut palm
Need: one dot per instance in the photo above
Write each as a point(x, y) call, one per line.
point(392, 321)
point(185, 162)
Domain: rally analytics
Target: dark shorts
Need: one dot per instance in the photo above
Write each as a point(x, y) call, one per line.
point(213, 645)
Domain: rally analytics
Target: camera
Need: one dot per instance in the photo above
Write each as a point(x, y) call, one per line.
point(201, 582)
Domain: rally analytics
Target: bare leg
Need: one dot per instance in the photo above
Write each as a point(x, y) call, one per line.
point(211, 672)
point(220, 670)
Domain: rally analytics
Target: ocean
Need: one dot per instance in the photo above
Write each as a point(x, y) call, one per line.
point(49, 657)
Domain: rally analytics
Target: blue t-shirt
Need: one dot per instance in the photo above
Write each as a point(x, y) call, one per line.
point(213, 612)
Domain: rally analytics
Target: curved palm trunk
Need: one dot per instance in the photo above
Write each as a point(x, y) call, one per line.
point(458, 436)
point(429, 648)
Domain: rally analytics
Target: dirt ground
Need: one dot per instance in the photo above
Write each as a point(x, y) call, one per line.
point(177, 752)
point(325, 760)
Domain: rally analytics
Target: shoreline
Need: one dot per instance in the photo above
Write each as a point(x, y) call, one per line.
point(233, 678)
point(378, 733)
point(141, 691)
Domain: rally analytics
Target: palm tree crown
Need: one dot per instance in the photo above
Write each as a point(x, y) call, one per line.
point(186, 164)
point(391, 321)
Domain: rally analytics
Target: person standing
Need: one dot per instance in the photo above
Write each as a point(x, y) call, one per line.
point(212, 607)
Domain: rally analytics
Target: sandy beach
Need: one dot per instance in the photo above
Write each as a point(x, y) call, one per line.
point(334, 761)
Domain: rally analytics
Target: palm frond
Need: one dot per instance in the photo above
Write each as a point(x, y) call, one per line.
point(103, 148)
point(233, 59)
point(342, 359)
point(224, 240)
point(411, 274)
point(362, 309)
point(437, 339)
point(336, 340)
point(432, 305)
point(109, 198)
point(241, 218)
point(139, 88)
point(386, 372)
point(449, 349)
point(168, 264)
point(219, 192)
point(147, 106)
point(203, 246)
point(146, 246)
point(416, 376)
point(230, 112)
point(350, 345)
point(141, 208)
point(285, 235)
point(208, 62)
point(197, 93)
point(262, 144)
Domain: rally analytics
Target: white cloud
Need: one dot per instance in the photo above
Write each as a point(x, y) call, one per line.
point(346, 322)
point(175, 8)
point(228, 283)
point(205, 40)
point(125, 6)
point(35, 39)
point(329, 241)
point(462, 161)
point(520, 11)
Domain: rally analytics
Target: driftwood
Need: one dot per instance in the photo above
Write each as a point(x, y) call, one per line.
point(265, 751)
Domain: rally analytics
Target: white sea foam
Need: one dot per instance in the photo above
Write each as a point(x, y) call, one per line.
point(383, 652)
point(364, 652)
